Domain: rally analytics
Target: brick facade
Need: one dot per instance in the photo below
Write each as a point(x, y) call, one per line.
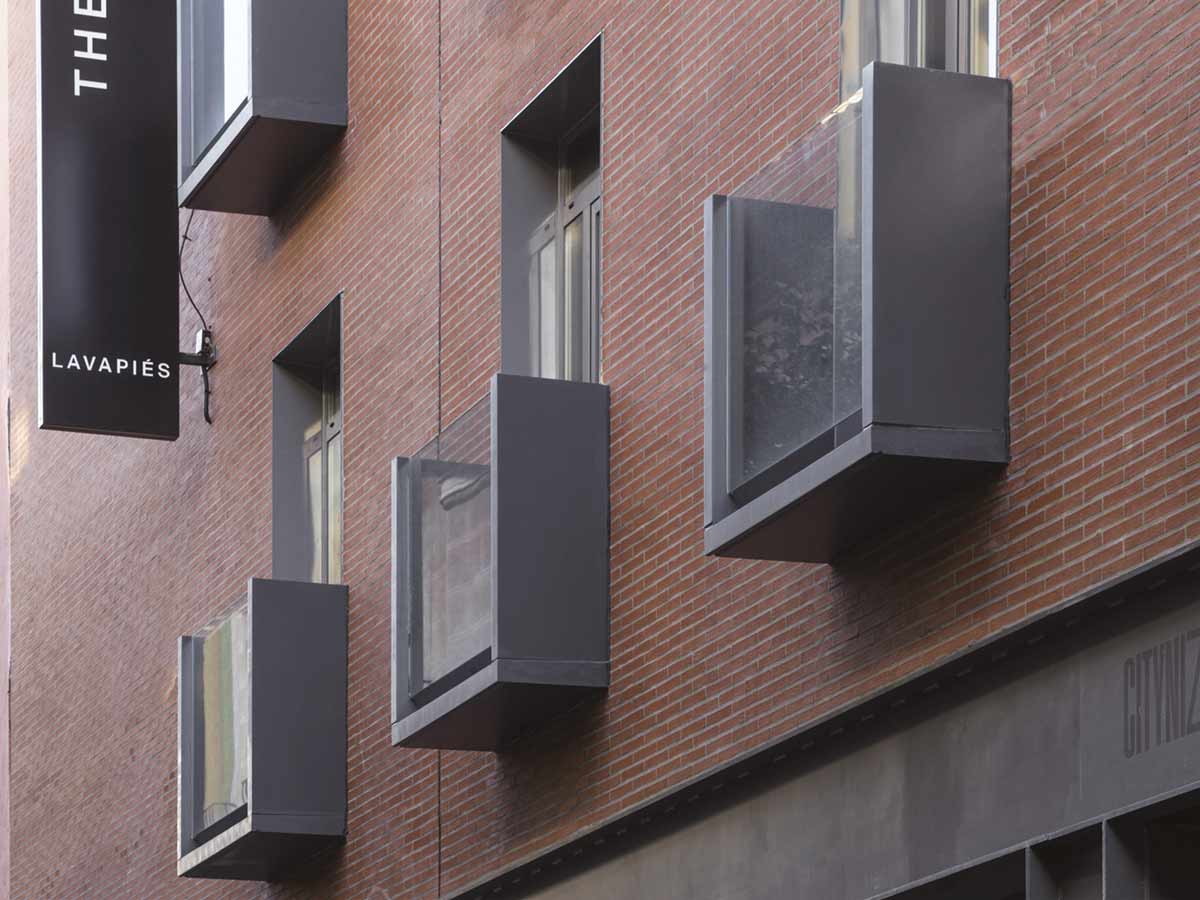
point(120, 546)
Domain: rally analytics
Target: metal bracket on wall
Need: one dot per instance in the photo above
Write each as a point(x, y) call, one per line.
point(205, 357)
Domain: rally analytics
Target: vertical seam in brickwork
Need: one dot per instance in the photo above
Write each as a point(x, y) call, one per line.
point(439, 823)
point(439, 369)
point(439, 217)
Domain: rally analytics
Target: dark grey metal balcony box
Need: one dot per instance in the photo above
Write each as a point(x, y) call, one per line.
point(260, 102)
point(262, 735)
point(500, 567)
point(856, 306)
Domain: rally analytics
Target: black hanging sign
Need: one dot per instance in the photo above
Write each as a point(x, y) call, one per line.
point(108, 304)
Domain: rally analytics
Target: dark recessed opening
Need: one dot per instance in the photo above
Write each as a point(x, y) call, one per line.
point(306, 452)
point(551, 210)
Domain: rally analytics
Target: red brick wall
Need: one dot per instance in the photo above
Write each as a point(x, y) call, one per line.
point(120, 546)
point(5, 537)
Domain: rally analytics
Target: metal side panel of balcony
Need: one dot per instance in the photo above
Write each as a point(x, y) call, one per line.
point(500, 567)
point(262, 735)
point(856, 347)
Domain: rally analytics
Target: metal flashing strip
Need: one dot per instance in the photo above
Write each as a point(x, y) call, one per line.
point(230, 135)
point(834, 732)
point(986, 449)
point(435, 710)
point(212, 847)
point(464, 702)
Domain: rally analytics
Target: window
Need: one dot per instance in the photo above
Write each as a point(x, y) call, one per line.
point(222, 728)
point(262, 96)
point(307, 453)
point(261, 788)
point(451, 534)
point(796, 335)
point(564, 277)
point(322, 461)
point(500, 574)
point(215, 62)
point(954, 35)
point(823, 274)
point(551, 206)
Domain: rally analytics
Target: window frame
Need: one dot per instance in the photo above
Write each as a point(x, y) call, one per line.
point(327, 545)
point(959, 16)
point(419, 692)
point(577, 343)
point(191, 156)
point(200, 832)
point(741, 488)
point(582, 202)
point(335, 481)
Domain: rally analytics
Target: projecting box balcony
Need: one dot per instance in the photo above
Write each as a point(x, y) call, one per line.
point(262, 735)
point(262, 95)
point(500, 549)
point(857, 320)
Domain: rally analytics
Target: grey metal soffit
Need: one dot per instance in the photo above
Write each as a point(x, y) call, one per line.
point(997, 660)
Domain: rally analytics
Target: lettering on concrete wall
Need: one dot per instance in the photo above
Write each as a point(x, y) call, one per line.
point(1162, 693)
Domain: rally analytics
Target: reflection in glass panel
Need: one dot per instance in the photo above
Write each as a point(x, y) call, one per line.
point(237, 54)
point(575, 305)
point(334, 547)
point(593, 374)
point(564, 300)
point(315, 500)
point(982, 38)
point(954, 35)
point(220, 65)
point(893, 36)
point(792, 264)
point(786, 328)
point(332, 436)
point(548, 361)
point(224, 726)
point(454, 495)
